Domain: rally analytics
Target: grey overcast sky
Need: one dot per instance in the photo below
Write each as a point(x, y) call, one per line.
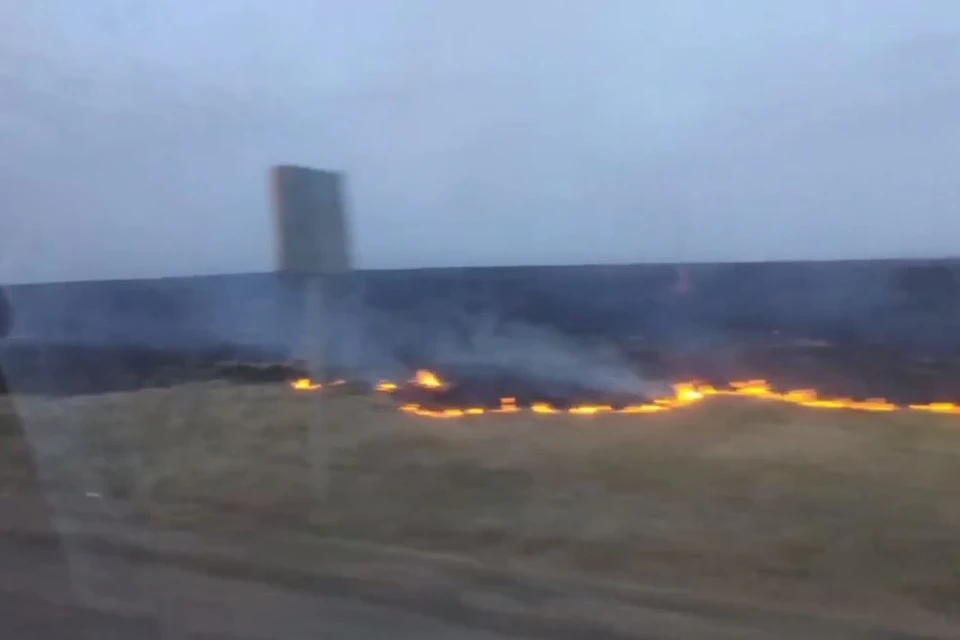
point(135, 136)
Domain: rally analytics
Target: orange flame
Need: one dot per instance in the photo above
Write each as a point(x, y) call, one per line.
point(684, 394)
point(305, 384)
point(427, 379)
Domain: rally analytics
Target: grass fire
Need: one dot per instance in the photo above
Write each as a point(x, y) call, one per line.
point(684, 394)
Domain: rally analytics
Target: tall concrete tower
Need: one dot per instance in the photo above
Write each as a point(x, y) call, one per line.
point(311, 221)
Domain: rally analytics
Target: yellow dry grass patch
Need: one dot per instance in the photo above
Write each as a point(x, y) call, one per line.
point(854, 510)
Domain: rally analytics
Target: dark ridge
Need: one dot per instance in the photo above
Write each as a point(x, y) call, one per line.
point(891, 326)
point(912, 304)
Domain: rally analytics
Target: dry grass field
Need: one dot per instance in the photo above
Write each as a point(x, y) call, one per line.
point(769, 501)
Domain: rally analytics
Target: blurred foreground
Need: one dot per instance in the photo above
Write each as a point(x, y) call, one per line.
point(847, 512)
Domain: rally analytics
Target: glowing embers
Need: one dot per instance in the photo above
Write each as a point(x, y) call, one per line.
point(428, 394)
point(428, 380)
point(483, 391)
point(423, 379)
point(306, 384)
point(564, 402)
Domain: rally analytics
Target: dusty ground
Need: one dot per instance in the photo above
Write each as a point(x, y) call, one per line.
point(859, 512)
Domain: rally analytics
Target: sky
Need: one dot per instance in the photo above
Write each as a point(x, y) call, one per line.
point(135, 137)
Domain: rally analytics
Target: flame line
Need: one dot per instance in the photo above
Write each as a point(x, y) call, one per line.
point(685, 394)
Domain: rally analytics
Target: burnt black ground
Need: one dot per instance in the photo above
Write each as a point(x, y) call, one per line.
point(859, 372)
point(893, 327)
point(77, 369)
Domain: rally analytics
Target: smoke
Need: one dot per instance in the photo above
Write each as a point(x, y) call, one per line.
point(564, 327)
point(574, 328)
point(539, 354)
point(443, 331)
